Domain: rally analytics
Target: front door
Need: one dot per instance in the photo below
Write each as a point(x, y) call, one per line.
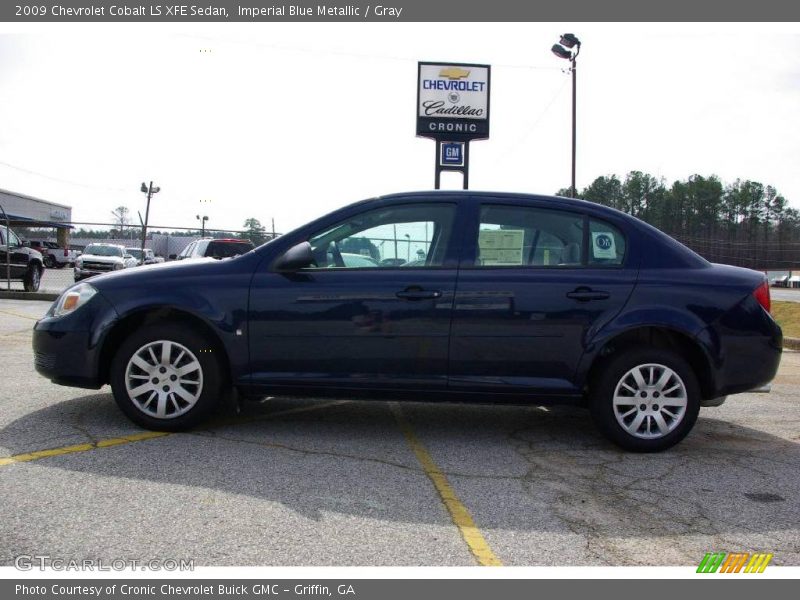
point(375, 310)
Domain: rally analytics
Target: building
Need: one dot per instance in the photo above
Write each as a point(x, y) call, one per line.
point(27, 211)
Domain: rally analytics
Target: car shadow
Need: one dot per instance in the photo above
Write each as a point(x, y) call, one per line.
point(507, 463)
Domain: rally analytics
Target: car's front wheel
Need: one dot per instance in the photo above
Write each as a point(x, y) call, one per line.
point(645, 399)
point(166, 377)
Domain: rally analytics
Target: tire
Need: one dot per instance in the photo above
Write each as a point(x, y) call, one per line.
point(671, 394)
point(178, 410)
point(49, 262)
point(33, 278)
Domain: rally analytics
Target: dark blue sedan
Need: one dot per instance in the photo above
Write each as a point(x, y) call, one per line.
point(460, 296)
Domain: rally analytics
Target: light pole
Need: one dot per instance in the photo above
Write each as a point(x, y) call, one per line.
point(204, 218)
point(568, 48)
point(149, 190)
point(408, 250)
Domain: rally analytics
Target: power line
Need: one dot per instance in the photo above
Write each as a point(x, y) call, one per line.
point(59, 180)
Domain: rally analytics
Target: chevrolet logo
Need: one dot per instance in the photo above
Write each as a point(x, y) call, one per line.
point(454, 73)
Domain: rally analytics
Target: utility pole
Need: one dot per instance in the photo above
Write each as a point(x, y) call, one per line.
point(149, 190)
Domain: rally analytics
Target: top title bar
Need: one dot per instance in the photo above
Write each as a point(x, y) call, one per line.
point(401, 10)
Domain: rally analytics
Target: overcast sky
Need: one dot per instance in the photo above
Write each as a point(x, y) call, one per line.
point(293, 120)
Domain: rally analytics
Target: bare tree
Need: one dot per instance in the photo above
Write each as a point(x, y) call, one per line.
point(121, 219)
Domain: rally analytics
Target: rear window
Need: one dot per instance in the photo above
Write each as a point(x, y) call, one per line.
point(606, 244)
point(228, 249)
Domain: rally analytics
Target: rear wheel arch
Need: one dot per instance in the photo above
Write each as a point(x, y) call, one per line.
point(656, 336)
point(152, 316)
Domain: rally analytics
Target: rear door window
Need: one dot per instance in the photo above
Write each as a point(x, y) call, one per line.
point(525, 236)
point(606, 244)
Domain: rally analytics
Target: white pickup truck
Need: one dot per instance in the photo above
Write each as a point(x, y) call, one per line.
point(54, 255)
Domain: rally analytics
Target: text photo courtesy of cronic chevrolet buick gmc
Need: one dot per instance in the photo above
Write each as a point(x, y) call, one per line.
point(459, 296)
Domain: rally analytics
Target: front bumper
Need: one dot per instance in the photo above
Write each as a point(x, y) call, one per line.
point(66, 350)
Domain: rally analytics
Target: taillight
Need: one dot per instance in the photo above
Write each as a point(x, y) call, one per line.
point(761, 294)
point(66, 253)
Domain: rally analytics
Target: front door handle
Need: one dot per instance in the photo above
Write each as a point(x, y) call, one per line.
point(418, 294)
point(584, 294)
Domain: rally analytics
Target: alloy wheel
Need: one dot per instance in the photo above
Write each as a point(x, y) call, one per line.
point(164, 379)
point(650, 401)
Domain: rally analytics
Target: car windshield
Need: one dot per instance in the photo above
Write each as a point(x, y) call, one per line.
point(98, 250)
point(135, 252)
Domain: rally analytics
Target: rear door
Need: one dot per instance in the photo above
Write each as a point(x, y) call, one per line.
point(535, 283)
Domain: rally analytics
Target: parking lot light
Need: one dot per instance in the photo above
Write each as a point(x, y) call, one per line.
point(564, 49)
point(149, 190)
point(203, 219)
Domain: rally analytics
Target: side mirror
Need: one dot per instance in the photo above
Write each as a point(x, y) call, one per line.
point(26, 244)
point(295, 258)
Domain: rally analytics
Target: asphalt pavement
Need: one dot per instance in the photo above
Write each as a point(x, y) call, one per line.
point(319, 482)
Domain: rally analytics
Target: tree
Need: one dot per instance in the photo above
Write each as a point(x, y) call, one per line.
point(121, 219)
point(256, 232)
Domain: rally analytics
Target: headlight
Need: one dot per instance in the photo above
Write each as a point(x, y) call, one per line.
point(119, 266)
point(73, 299)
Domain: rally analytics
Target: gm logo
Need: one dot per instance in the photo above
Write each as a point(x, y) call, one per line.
point(451, 154)
point(721, 562)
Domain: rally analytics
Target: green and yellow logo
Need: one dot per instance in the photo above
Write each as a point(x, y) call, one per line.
point(720, 562)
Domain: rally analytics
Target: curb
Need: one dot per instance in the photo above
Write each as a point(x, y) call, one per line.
point(791, 343)
point(20, 295)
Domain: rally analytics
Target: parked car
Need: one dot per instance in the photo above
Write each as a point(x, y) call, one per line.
point(149, 257)
point(102, 258)
point(20, 262)
point(209, 247)
point(55, 255)
point(530, 299)
point(358, 260)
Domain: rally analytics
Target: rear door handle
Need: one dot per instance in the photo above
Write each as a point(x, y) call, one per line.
point(418, 294)
point(584, 294)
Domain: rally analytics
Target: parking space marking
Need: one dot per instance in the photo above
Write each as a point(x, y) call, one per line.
point(145, 435)
point(118, 441)
point(459, 513)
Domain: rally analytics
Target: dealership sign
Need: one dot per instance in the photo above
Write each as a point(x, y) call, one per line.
point(453, 101)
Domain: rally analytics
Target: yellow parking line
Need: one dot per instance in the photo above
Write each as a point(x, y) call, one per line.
point(140, 437)
point(458, 512)
point(39, 454)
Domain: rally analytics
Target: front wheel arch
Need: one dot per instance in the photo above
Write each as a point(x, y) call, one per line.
point(154, 315)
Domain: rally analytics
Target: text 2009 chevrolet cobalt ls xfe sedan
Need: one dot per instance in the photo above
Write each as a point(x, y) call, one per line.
point(466, 297)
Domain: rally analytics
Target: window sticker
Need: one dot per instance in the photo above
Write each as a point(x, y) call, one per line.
point(501, 246)
point(603, 245)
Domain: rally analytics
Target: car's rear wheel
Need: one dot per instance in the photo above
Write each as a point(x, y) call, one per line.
point(33, 278)
point(49, 262)
point(166, 377)
point(645, 399)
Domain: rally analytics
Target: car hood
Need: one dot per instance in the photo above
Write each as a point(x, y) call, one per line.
point(166, 271)
point(102, 259)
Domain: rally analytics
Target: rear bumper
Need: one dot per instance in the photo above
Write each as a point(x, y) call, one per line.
point(746, 346)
